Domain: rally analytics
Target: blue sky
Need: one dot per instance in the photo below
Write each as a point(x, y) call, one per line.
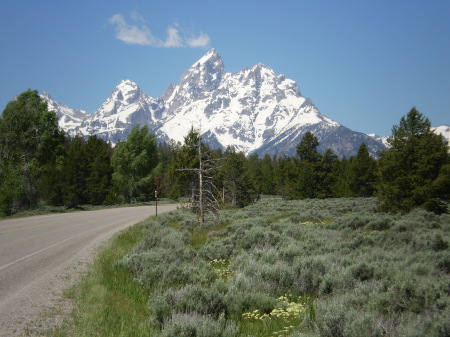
point(364, 64)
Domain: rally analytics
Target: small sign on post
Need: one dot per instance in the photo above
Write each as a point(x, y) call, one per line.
point(156, 202)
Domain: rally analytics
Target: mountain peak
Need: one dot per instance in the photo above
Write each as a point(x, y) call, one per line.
point(204, 75)
point(46, 95)
point(127, 84)
point(126, 91)
point(211, 56)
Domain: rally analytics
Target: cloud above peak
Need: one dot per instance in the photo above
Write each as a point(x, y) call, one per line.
point(138, 33)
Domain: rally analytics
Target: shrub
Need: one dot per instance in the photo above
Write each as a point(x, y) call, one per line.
point(189, 299)
point(362, 272)
point(240, 301)
point(195, 325)
point(218, 249)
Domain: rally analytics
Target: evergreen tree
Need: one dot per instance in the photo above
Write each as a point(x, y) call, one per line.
point(341, 186)
point(30, 145)
point(133, 162)
point(239, 188)
point(288, 176)
point(308, 161)
point(363, 173)
point(11, 188)
point(268, 170)
point(75, 172)
point(307, 148)
point(325, 172)
point(255, 172)
point(99, 178)
point(187, 156)
point(415, 169)
point(164, 174)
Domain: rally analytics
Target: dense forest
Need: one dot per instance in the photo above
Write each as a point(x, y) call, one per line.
point(42, 166)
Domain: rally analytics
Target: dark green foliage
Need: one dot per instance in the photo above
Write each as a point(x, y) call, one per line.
point(98, 181)
point(39, 166)
point(86, 172)
point(237, 185)
point(30, 146)
point(11, 188)
point(415, 169)
point(341, 187)
point(363, 171)
point(307, 148)
point(187, 157)
point(326, 175)
point(28, 130)
point(164, 174)
point(310, 174)
point(133, 162)
point(75, 171)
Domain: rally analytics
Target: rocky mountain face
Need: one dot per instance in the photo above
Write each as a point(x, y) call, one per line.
point(254, 110)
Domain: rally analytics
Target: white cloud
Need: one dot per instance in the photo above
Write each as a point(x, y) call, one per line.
point(173, 38)
point(200, 41)
point(132, 34)
point(142, 35)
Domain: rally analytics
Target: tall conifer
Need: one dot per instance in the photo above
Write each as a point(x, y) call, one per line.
point(415, 170)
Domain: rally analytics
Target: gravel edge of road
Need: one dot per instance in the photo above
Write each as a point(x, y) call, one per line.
point(58, 307)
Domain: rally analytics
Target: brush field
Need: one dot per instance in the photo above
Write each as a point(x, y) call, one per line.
point(330, 267)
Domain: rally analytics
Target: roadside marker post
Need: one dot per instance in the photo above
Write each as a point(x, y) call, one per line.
point(156, 202)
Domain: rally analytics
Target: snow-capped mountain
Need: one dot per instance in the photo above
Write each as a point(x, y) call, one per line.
point(69, 119)
point(126, 107)
point(254, 110)
point(379, 139)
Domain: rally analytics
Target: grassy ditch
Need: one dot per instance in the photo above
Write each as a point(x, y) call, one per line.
point(108, 301)
point(312, 268)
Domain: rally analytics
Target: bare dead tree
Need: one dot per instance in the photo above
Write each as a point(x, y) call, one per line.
point(204, 200)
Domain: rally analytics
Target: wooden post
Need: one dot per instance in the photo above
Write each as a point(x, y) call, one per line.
point(156, 203)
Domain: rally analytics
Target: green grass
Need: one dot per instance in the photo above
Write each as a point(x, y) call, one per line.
point(108, 302)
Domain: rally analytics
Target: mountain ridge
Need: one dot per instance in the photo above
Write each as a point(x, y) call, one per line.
point(255, 110)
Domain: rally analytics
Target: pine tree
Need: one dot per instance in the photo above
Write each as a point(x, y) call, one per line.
point(255, 172)
point(75, 172)
point(99, 178)
point(363, 170)
point(325, 172)
point(268, 181)
point(163, 174)
point(341, 186)
point(187, 156)
point(415, 169)
point(239, 188)
point(307, 148)
point(288, 176)
point(308, 182)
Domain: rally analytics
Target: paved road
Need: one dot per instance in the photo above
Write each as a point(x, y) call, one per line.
point(40, 256)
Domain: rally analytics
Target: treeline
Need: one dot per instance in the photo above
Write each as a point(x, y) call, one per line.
point(40, 165)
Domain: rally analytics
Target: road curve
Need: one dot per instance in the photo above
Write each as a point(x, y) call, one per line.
point(40, 256)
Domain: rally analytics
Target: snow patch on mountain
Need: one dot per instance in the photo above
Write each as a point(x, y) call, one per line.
point(69, 119)
point(381, 140)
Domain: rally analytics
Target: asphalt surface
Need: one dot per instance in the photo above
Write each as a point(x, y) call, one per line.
point(41, 256)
